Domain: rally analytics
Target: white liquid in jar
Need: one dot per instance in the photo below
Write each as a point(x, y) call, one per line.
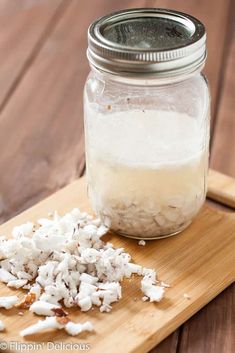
point(146, 170)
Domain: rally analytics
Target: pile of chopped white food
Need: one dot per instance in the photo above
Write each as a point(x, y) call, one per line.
point(63, 261)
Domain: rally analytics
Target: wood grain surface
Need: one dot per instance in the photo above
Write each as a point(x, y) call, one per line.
point(24, 26)
point(43, 67)
point(223, 139)
point(221, 188)
point(190, 262)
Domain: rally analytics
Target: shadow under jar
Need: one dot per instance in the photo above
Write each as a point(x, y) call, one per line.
point(146, 108)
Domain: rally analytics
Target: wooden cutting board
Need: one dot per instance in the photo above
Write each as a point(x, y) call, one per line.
point(199, 262)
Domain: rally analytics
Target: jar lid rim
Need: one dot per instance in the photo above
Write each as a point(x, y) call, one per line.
point(147, 41)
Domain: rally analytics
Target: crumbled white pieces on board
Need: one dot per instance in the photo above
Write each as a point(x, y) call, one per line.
point(165, 285)
point(186, 296)
point(142, 242)
point(63, 261)
point(17, 283)
point(8, 302)
point(2, 326)
point(54, 322)
point(6, 277)
point(145, 298)
point(74, 329)
point(43, 308)
point(22, 230)
point(149, 287)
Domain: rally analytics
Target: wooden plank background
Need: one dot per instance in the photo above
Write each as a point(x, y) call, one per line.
point(43, 68)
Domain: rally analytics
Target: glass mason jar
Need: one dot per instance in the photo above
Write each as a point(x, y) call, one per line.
point(146, 106)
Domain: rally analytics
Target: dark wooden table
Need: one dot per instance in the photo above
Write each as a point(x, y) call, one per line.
point(43, 68)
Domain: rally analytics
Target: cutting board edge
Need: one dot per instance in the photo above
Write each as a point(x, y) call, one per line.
point(143, 348)
point(149, 341)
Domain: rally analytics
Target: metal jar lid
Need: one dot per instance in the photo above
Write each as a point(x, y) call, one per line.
point(147, 41)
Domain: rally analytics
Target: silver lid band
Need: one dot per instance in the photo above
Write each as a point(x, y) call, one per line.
point(147, 42)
